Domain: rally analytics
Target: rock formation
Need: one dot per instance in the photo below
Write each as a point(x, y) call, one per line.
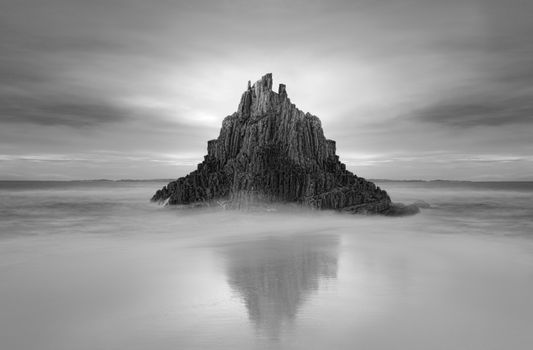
point(270, 151)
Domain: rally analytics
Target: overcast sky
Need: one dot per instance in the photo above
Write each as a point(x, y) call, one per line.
point(409, 89)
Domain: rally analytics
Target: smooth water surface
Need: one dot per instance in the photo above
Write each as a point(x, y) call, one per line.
point(94, 265)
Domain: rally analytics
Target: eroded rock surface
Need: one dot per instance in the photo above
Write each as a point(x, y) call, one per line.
point(270, 151)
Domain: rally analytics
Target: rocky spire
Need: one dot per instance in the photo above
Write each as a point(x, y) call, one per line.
point(270, 151)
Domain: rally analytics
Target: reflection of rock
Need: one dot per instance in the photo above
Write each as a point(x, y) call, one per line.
point(274, 276)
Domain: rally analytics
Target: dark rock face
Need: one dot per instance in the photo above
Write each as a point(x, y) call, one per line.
point(270, 151)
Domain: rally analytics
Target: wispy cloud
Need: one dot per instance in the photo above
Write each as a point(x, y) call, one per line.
point(467, 112)
point(56, 112)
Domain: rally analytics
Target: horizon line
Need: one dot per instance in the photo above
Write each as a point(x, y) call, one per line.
point(173, 179)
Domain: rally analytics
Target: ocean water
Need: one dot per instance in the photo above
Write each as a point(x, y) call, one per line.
point(95, 265)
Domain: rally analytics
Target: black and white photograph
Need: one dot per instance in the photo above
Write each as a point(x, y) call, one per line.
point(266, 174)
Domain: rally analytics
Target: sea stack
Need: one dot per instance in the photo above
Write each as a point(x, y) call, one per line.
point(269, 151)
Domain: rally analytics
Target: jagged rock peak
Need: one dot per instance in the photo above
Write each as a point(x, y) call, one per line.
point(259, 98)
point(270, 151)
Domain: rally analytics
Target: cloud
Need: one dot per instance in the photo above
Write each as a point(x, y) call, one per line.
point(465, 112)
point(107, 157)
point(59, 112)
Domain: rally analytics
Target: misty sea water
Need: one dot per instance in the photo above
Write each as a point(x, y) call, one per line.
point(95, 265)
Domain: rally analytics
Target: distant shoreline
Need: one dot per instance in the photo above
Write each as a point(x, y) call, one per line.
point(373, 180)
